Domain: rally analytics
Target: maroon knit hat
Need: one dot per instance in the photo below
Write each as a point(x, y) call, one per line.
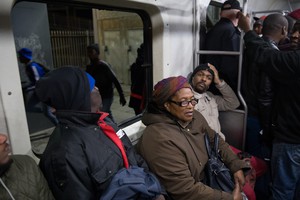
point(167, 87)
point(295, 14)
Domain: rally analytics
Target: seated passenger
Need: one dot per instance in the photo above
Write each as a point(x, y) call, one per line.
point(173, 144)
point(80, 158)
point(209, 106)
point(20, 177)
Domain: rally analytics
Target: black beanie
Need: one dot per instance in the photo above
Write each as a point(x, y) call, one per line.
point(202, 67)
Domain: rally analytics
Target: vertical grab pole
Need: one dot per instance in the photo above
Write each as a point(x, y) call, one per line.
point(245, 6)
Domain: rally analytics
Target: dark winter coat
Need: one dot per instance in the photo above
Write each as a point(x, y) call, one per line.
point(284, 67)
point(79, 160)
point(224, 36)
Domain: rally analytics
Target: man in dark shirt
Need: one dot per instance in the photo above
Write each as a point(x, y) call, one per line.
point(225, 36)
point(284, 68)
point(105, 79)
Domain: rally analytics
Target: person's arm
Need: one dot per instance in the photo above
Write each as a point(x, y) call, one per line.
point(228, 100)
point(118, 86)
point(38, 180)
point(120, 90)
point(35, 71)
point(281, 66)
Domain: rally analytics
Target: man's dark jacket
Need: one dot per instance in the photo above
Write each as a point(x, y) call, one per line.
point(284, 67)
point(105, 79)
point(258, 89)
point(79, 160)
point(224, 36)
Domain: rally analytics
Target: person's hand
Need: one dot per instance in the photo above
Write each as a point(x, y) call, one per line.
point(217, 80)
point(244, 22)
point(160, 197)
point(239, 178)
point(237, 195)
point(122, 100)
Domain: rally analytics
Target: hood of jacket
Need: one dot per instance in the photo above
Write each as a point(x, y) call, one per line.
point(66, 88)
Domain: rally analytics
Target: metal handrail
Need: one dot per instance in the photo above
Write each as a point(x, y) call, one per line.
point(210, 52)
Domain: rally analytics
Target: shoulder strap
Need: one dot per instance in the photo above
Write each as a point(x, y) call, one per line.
point(207, 145)
point(212, 151)
point(216, 144)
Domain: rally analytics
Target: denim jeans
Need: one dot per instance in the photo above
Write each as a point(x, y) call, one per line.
point(285, 164)
point(106, 104)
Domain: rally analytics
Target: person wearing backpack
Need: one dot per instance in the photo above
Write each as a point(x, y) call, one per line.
point(34, 72)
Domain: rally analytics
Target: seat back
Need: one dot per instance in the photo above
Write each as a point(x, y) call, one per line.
point(233, 126)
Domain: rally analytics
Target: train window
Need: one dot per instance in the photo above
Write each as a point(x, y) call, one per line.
point(58, 35)
point(213, 14)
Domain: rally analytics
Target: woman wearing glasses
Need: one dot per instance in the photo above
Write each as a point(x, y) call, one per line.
point(173, 143)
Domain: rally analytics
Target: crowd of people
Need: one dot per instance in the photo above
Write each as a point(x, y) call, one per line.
point(87, 148)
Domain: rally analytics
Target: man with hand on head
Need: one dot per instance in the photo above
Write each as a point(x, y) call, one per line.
point(209, 104)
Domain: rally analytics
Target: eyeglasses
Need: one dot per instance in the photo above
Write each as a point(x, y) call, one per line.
point(185, 103)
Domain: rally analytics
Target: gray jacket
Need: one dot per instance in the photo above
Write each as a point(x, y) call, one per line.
point(24, 180)
point(209, 105)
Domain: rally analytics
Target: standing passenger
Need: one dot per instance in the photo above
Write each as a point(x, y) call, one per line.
point(284, 67)
point(173, 144)
point(209, 104)
point(258, 25)
point(259, 90)
point(34, 72)
point(105, 78)
point(294, 42)
point(138, 80)
point(225, 36)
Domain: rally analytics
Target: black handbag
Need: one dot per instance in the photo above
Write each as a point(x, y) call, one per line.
point(217, 175)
